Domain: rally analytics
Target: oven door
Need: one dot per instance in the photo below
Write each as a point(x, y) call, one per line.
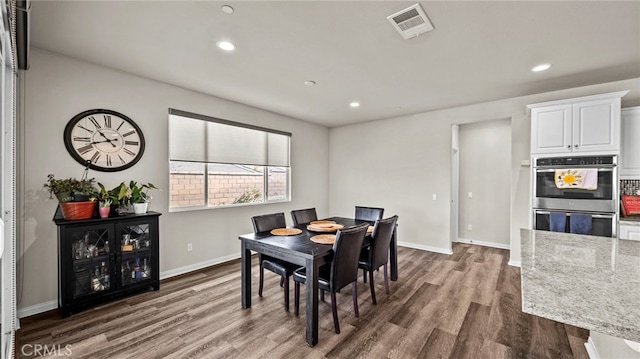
point(548, 196)
point(602, 224)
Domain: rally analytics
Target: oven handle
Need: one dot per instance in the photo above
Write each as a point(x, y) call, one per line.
point(607, 169)
point(610, 216)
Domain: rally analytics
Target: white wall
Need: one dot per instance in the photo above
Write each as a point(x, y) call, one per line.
point(399, 163)
point(57, 88)
point(485, 172)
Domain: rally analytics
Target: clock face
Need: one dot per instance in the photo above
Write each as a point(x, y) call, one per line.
point(109, 140)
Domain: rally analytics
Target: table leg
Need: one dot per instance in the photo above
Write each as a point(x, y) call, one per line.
point(246, 275)
point(312, 302)
point(393, 255)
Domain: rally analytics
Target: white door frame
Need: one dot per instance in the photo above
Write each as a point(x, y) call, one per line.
point(455, 184)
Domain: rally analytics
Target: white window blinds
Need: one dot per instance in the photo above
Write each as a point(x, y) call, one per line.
point(199, 138)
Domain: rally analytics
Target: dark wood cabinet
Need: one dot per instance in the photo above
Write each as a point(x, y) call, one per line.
point(102, 259)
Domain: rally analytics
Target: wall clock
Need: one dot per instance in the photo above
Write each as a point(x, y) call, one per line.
point(109, 140)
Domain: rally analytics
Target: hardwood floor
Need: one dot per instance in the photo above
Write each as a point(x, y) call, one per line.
point(465, 305)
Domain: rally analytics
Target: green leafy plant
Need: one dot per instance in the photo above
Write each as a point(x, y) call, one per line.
point(249, 196)
point(105, 203)
point(137, 193)
point(65, 189)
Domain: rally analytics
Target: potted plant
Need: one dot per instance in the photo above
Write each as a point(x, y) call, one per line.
point(138, 197)
point(75, 196)
point(104, 207)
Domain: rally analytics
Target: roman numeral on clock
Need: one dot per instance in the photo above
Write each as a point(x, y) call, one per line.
point(121, 159)
point(85, 149)
point(128, 152)
point(84, 128)
point(109, 161)
point(107, 121)
point(132, 143)
point(94, 121)
point(95, 157)
point(81, 139)
point(129, 133)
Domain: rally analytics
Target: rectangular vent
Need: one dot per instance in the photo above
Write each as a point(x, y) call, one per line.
point(411, 21)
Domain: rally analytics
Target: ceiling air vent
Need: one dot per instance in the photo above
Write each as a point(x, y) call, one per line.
point(411, 21)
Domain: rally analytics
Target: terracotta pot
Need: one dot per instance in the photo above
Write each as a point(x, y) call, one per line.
point(77, 210)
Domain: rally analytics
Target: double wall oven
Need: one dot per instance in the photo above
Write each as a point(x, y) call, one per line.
point(600, 203)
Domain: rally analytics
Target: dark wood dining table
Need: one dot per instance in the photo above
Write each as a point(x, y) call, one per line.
point(300, 250)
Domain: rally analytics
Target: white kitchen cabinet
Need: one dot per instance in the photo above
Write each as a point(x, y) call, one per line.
point(586, 125)
point(629, 232)
point(630, 147)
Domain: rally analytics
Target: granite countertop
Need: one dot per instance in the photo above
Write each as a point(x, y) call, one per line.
point(587, 281)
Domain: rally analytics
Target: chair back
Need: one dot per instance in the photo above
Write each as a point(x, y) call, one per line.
point(268, 222)
point(380, 241)
point(301, 216)
point(368, 213)
point(346, 252)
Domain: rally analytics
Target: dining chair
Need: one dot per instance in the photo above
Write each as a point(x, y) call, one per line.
point(369, 213)
point(342, 270)
point(377, 254)
point(301, 216)
point(284, 269)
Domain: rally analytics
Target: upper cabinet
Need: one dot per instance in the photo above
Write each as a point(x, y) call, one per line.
point(630, 151)
point(586, 125)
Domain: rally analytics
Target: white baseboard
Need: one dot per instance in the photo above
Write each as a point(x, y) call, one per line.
point(53, 304)
point(486, 244)
point(591, 349)
point(196, 266)
point(37, 308)
point(514, 263)
point(425, 248)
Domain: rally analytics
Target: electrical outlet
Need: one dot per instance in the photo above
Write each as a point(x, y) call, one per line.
point(434, 196)
point(469, 227)
point(470, 195)
point(189, 247)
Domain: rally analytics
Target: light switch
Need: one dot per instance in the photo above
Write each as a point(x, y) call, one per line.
point(434, 196)
point(470, 195)
point(469, 227)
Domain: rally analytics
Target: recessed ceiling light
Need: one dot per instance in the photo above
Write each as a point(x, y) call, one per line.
point(354, 104)
point(226, 45)
point(310, 83)
point(227, 9)
point(541, 67)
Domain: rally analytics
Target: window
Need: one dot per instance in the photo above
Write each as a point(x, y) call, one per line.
point(215, 162)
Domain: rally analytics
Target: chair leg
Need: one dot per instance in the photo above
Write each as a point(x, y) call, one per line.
point(296, 298)
point(261, 281)
point(286, 294)
point(334, 309)
point(354, 295)
point(386, 279)
point(364, 276)
point(373, 291)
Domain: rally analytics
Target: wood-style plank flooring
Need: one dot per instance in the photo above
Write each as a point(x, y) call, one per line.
point(465, 305)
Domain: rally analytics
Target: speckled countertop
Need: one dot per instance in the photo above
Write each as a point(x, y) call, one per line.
point(587, 281)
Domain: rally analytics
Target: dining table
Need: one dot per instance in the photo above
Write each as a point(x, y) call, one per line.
point(300, 250)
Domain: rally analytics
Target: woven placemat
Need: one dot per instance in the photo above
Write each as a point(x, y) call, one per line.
point(322, 221)
point(286, 231)
point(324, 227)
point(324, 238)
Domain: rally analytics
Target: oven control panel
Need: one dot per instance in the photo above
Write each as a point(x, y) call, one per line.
point(576, 161)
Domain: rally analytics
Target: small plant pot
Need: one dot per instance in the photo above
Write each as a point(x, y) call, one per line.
point(104, 211)
point(81, 197)
point(77, 210)
point(140, 208)
point(61, 196)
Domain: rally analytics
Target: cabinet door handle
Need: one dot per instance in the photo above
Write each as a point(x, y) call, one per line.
point(569, 146)
point(576, 146)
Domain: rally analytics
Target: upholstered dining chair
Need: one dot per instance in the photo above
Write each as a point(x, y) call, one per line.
point(377, 254)
point(369, 213)
point(301, 216)
point(282, 268)
point(342, 270)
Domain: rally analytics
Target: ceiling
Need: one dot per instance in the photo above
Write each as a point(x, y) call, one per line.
point(479, 51)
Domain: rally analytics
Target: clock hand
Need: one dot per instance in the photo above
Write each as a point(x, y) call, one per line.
point(105, 137)
point(115, 139)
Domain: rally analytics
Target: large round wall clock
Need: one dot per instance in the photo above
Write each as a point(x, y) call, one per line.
point(104, 140)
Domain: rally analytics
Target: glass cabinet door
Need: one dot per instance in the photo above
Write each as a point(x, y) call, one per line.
point(137, 257)
point(91, 263)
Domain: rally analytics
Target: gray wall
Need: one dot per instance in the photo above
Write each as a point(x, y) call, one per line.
point(56, 88)
point(485, 171)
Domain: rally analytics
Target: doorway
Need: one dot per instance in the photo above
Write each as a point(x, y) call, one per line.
point(455, 184)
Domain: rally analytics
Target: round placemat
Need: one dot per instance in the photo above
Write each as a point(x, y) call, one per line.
point(322, 221)
point(286, 231)
point(324, 238)
point(324, 227)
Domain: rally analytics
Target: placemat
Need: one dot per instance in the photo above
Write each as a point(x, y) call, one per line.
point(324, 238)
point(324, 227)
point(286, 231)
point(322, 221)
